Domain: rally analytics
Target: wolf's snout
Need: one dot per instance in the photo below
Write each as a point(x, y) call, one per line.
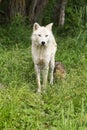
point(43, 43)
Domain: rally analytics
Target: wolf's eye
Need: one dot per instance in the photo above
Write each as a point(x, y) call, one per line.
point(46, 35)
point(39, 35)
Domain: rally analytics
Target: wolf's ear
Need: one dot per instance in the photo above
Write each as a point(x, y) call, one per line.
point(49, 26)
point(35, 26)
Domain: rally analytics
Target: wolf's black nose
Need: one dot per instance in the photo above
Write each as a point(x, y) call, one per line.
point(43, 43)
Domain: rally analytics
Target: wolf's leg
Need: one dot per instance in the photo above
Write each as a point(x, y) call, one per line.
point(45, 75)
point(52, 64)
point(38, 78)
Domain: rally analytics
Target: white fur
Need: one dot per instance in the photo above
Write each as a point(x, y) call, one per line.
point(43, 55)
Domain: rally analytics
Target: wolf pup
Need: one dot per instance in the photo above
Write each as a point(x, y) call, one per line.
point(59, 70)
point(43, 53)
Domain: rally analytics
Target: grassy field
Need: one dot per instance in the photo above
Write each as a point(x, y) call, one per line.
point(63, 106)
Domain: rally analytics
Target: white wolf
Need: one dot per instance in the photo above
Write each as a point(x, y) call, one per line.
point(43, 52)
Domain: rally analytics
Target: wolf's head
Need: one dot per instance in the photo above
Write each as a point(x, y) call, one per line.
point(41, 35)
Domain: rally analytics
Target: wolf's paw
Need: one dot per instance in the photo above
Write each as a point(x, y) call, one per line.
point(51, 83)
point(38, 90)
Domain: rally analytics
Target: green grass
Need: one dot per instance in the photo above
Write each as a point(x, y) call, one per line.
point(63, 106)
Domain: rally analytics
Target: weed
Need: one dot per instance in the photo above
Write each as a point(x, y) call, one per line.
point(63, 106)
